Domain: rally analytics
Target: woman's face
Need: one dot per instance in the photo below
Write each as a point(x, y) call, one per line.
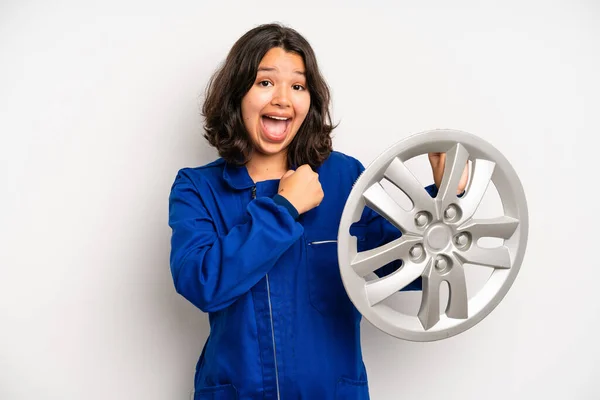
point(277, 103)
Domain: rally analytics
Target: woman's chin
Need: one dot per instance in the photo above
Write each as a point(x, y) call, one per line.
point(271, 149)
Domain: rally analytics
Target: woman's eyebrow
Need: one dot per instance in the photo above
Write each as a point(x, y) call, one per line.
point(273, 69)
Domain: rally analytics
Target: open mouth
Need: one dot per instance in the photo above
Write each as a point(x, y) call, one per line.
point(275, 127)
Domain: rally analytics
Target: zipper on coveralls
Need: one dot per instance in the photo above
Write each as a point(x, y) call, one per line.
point(271, 318)
point(273, 336)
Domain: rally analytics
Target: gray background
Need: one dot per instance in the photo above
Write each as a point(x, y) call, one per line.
point(99, 109)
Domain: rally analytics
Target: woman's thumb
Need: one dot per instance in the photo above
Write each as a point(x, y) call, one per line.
point(288, 173)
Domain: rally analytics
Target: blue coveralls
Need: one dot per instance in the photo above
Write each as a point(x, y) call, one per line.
point(281, 323)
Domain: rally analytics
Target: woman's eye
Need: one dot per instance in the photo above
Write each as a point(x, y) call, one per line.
point(298, 87)
point(265, 83)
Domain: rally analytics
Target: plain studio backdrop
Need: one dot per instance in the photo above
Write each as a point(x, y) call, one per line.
point(99, 108)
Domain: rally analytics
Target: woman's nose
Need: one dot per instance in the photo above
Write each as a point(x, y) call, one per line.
point(281, 97)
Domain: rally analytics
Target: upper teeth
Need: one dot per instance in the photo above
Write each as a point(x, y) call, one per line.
point(278, 118)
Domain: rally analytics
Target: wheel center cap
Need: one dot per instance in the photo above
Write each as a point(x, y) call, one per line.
point(438, 236)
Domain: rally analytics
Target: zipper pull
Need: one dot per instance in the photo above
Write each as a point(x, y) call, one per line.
point(253, 192)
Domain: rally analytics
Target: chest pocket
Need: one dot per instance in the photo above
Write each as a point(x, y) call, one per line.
point(325, 288)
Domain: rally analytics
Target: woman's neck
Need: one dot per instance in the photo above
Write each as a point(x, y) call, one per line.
point(263, 167)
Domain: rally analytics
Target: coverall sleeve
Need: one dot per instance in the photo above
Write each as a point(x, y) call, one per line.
point(380, 231)
point(212, 270)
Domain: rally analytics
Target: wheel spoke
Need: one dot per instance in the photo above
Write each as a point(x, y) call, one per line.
point(381, 202)
point(456, 160)
point(501, 227)
point(429, 312)
point(458, 303)
point(482, 175)
point(381, 289)
point(496, 257)
point(368, 261)
point(403, 178)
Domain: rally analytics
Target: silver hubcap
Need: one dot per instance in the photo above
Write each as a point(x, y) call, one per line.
point(439, 236)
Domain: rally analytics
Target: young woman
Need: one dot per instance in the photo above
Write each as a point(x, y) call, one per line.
point(254, 232)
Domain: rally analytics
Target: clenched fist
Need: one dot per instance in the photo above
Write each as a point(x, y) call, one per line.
point(301, 188)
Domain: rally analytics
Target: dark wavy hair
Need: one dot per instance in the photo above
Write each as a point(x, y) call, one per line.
point(222, 110)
